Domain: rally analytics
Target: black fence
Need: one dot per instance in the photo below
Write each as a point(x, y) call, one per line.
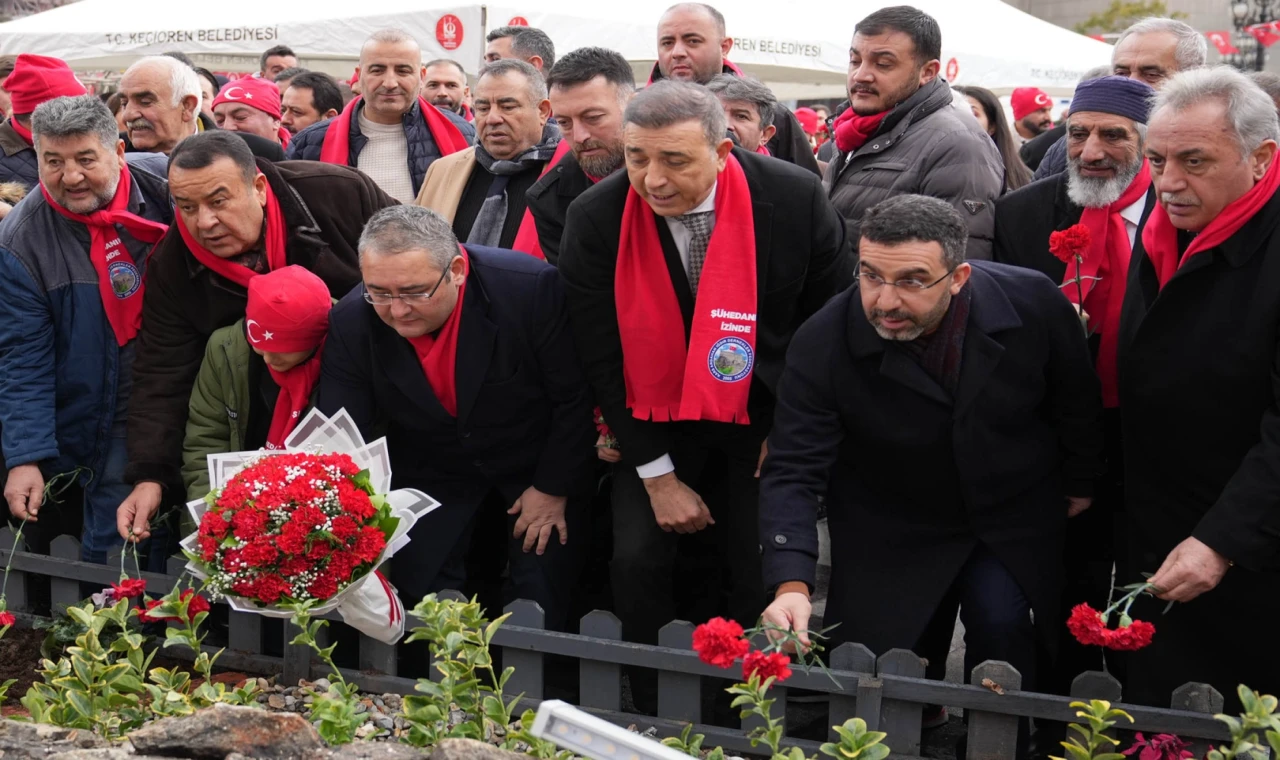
point(888, 691)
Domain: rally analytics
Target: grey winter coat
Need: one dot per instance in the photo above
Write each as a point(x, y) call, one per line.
point(923, 147)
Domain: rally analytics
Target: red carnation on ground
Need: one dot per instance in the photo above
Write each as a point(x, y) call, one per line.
point(775, 664)
point(1160, 747)
point(129, 588)
point(719, 642)
point(195, 607)
point(1071, 243)
point(7, 619)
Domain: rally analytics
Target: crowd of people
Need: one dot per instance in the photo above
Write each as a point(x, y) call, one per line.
point(657, 329)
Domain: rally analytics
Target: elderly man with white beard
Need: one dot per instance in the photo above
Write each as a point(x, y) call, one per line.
point(1107, 189)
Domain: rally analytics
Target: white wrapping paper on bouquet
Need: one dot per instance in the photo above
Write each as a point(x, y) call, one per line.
point(368, 604)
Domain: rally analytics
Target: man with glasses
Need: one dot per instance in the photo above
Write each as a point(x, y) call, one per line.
point(950, 415)
point(463, 358)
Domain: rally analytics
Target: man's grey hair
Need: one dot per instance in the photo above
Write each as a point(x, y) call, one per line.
point(671, 102)
point(1097, 72)
point(184, 82)
point(919, 218)
point(746, 90)
point(400, 229)
point(537, 85)
point(1191, 51)
point(395, 36)
point(74, 117)
point(526, 42)
point(1251, 114)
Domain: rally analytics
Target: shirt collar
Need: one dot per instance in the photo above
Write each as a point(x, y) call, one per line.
point(1133, 213)
point(708, 205)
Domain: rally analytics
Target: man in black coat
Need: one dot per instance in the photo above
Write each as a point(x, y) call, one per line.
point(1107, 189)
point(693, 47)
point(1199, 389)
point(949, 414)
point(589, 88)
point(465, 362)
point(726, 252)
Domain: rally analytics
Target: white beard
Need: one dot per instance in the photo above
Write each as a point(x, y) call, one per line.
point(1090, 192)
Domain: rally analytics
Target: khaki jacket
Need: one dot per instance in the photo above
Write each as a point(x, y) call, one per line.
point(446, 180)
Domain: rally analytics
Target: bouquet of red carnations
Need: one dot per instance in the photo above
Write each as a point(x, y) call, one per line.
point(295, 526)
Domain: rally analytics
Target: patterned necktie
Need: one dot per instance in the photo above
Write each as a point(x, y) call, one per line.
point(699, 226)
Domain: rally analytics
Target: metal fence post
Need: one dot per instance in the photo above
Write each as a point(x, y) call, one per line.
point(992, 735)
point(901, 720)
point(866, 703)
point(600, 683)
point(1201, 698)
point(16, 591)
point(679, 694)
point(527, 678)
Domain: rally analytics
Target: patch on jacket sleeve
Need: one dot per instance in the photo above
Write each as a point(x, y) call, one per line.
point(975, 207)
point(231, 413)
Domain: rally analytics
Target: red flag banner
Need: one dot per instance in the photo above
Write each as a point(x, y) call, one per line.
point(1222, 41)
point(1266, 34)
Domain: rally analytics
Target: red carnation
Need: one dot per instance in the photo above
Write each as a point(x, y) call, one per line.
point(129, 588)
point(260, 552)
point(1160, 747)
point(1071, 243)
point(775, 664)
point(1132, 637)
point(344, 528)
point(270, 588)
point(195, 607)
point(324, 586)
point(1087, 626)
point(7, 619)
point(369, 544)
point(719, 642)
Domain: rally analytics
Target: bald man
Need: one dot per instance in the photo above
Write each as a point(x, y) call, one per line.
point(390, 133)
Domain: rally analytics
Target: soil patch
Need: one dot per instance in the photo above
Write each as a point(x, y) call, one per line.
point(19, 658)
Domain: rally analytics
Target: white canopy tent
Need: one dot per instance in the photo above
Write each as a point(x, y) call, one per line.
point(799, 47)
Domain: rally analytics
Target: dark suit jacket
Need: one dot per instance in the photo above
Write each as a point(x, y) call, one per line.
point(1200, 392)
point(524, 410)
point(549, 201)
point(802, 259)
point(1033, 150)
point(1025, 217)
point(913, 478)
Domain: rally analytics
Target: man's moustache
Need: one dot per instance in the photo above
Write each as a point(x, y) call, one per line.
point(139, 124)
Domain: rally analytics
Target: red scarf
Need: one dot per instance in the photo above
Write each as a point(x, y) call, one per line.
point(439, 353)
point(1106, 266)
point(120, 284)
point(337, 138)
point(22, 131)
point(527, 236)
point(1160, 237)
point(284, 136)
point(295, 394)
point(713, 379)
point(853, 131)
point(274, 241)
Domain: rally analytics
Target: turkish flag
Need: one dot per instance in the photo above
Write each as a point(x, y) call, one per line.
point(1222, 41)
point(1266, 34)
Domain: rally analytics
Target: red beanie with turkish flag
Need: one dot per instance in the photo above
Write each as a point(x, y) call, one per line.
point(37, 79)
point(254, 92)
point(1028, 100)
point(288, 310)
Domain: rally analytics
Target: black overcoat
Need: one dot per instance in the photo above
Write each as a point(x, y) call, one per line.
point(523, 408)
point(915, 479)
point(1199, 386)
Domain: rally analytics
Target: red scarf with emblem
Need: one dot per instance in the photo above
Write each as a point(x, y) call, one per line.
point(120, 283)
point(439, 353)
point(274, 240)
point(337, 137)
point(1103, 274)
point(711, 380)
point(1160, 237)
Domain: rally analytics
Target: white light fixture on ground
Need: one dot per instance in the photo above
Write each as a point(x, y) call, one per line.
point(584, 734)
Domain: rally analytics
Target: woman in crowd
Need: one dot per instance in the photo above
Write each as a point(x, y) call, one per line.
point(986, 109)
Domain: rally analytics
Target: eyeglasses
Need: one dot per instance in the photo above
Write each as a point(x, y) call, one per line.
point(874, 281)
point(386, 299)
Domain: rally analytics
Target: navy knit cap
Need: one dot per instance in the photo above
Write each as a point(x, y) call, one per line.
point(1117, 95)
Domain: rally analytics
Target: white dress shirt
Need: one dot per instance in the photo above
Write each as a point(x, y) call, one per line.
point(1132, 216)
point(682, 237)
